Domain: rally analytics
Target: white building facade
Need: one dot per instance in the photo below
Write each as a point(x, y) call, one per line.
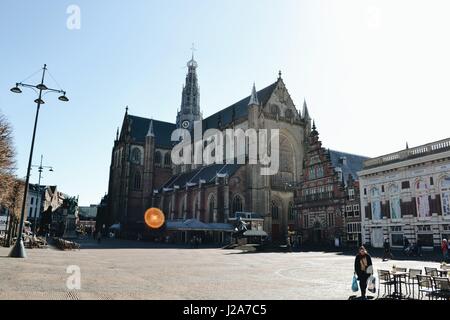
point(406, 194)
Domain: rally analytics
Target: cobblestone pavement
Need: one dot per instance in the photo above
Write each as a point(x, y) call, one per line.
point(131, 270)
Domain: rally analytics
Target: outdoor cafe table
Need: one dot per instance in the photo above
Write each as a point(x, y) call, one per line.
point(397, 277)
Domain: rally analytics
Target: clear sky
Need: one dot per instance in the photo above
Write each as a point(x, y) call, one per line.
point(375, 74)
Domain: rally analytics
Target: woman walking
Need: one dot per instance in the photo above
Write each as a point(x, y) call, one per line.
point(363, 269)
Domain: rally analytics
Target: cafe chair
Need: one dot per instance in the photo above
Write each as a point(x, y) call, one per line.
point(426, 287)
point(412, 280)
point(442, 288)
point(385, 280)
point(431, 272)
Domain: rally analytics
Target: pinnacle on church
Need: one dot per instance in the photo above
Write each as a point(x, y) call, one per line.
point(254, 97)
point(305, 110)
point(117, 134)
point(407, 147)
point(150, 129)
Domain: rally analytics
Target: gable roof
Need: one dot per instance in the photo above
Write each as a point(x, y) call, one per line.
point(352, 164)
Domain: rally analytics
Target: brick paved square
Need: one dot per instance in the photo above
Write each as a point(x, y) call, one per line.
point(138, 270)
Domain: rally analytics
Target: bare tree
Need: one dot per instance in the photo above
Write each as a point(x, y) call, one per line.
point(7, 162)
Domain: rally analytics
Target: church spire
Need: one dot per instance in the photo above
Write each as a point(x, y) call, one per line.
point(150, 129)
point(305, 112)
point(253, 97)
point(190, 98)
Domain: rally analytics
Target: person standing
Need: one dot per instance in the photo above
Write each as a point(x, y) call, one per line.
point(363, 269)
point(387, 249)
point(444, 247)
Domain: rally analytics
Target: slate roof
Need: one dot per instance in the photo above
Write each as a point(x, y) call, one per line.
point(163, 131)
point(207, 173)
point(240, 109)
point(354, 163)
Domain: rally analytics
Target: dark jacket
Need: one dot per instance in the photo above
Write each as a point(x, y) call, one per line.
point(358, 270)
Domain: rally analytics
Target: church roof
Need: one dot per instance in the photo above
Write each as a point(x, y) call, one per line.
point(163, 130)
point(206, 173)
point(349, 163)
point(240, 109)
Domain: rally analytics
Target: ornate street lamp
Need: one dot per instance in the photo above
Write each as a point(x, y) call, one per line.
point(18, 250)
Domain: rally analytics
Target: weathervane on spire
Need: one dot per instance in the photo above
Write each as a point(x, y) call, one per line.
point(193, 49)
point(191, 63)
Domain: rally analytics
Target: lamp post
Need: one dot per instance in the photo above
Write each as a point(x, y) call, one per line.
point(18, 250)
point(40, 169)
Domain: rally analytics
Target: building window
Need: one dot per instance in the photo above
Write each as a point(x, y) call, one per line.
point(32, 200)
point(237, 204)
point(167, 160)
point(274, 210)
point(211, 206)
point(382, 188)
point(158, 157)
point(305, 221)
point(291, 212)
point(422, 203)
point(319, 172)
point(375, 204)
point(30, 213)
point(431, 181)
point(137, 180)
point(351, 194)
point(445, 196)
point(136, 155)
point(394, 202)
point(348, 209)
point(405, 185)
point(356, 210)
point(365, 191)
point(274, 110)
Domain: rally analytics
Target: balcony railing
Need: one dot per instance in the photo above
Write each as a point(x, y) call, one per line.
point(420, 151)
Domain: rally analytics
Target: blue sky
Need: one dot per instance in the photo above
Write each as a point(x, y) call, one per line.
point(374, 73)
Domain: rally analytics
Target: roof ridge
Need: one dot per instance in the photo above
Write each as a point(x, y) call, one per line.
point(242, 100)
point(151, 119)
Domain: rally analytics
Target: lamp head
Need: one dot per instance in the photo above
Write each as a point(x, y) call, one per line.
point(63, 98)
point(16, 89)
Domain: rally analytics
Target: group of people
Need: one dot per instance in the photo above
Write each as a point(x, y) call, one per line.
point(195, 241)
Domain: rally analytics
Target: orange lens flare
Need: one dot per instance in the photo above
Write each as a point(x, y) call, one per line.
point(154, 218)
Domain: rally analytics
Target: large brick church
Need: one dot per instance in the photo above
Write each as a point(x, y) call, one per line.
point(205, 197)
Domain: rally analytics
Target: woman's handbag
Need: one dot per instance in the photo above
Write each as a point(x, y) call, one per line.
point(355, 284)
point(371, 284)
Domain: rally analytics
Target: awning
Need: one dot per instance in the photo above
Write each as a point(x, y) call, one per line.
point(115, 226)
point(255, 233)
point(197, 225)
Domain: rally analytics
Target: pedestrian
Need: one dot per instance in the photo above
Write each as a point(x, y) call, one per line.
point(387, 250)
point(363, 269)
point(99, 237)
point(444, 247)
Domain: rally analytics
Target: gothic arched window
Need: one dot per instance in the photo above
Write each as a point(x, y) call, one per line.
point(211, 205)
point(237, 204)
point(137, 180)
point(136, 155)
point(291, 212)
point(167, 160)
point(275, 210)
point(157, 157)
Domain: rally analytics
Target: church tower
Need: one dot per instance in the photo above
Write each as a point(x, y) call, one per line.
point(190, 99)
